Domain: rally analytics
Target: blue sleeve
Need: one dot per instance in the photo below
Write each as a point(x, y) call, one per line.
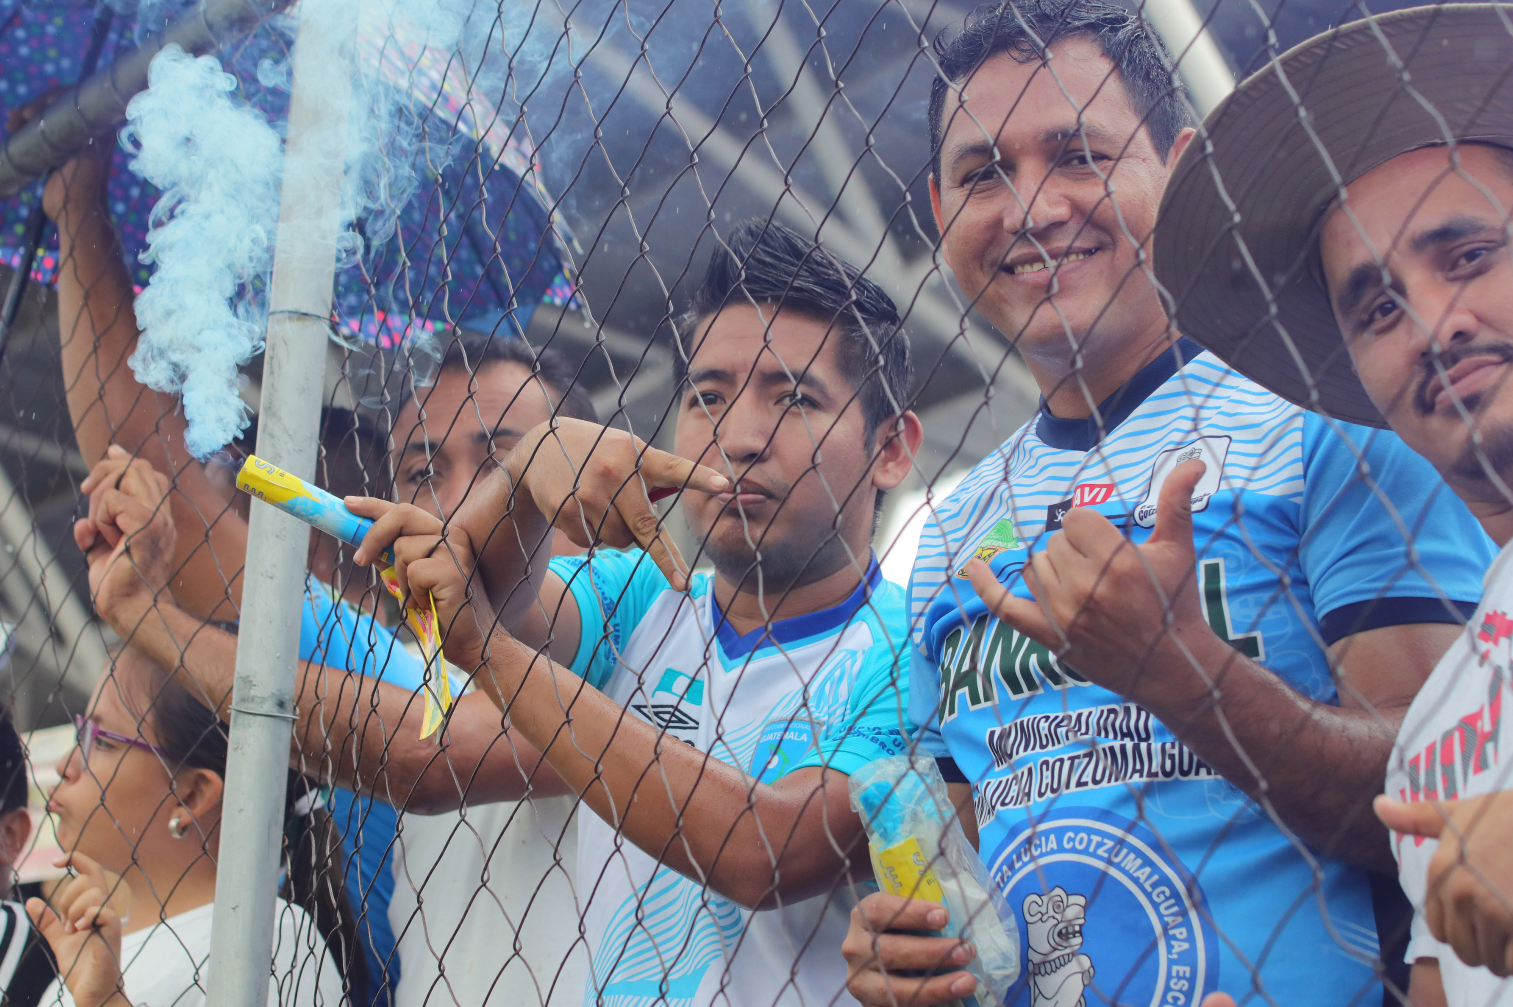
point(613, 591)
point(924, 705)
point(876, 724)
point(335, 634)
point(1383, 540)
point(368, 829)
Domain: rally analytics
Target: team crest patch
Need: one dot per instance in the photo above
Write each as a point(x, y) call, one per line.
point(1099, 897)
point(1000, 538)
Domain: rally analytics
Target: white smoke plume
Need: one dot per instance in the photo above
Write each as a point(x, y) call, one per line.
point(217, 162)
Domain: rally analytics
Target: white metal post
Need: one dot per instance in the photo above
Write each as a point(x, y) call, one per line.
point(262, 707)
point(1199, 60)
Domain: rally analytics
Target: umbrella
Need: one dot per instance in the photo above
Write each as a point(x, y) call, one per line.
point(476, 240)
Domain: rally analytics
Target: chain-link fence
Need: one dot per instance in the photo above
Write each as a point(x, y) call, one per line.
point(887, 447)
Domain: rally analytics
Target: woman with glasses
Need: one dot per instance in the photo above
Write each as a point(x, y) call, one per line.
point(138, 812)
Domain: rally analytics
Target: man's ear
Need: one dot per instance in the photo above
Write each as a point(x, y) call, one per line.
point(1184, 137)
point(897, 446)
point(940, 220)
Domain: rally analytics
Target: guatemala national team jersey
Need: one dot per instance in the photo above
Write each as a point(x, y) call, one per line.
point(1137, 874)
point(820, 689)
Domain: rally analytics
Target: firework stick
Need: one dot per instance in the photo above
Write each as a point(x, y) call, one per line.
point(319, 509)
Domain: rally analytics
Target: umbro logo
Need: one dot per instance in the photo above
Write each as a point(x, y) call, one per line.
point(1086, 495)
point(668, 716)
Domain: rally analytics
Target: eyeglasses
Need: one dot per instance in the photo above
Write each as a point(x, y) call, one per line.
point(88, 731)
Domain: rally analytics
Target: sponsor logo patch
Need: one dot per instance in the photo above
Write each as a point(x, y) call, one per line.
point(1085, 495)
point(675, 703)
point(1212, 451)
point(1001, 537)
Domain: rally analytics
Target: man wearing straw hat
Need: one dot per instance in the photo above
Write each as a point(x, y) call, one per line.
point(1343, 239)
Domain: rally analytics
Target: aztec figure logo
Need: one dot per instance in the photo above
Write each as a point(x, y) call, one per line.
point(1058, 971)
point(1090, 885)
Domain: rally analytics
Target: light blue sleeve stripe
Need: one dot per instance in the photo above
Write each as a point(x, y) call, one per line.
point(613, 591)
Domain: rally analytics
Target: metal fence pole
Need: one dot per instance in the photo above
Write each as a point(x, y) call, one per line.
point(273, 590)
point(1199, 60)
point(98, 102)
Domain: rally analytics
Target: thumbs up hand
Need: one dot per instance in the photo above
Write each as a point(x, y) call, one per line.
point(1119, 614)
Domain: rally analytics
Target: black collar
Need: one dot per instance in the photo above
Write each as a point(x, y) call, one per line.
point(1083, 434)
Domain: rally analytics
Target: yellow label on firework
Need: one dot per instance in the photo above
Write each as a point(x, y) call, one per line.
point(900, 869)
point(269, 482)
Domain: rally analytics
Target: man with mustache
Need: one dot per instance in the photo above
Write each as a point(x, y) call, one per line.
point(1163, 635)
point(1381, 233)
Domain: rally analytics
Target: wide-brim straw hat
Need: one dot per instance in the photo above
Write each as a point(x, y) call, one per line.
point(1236, 244)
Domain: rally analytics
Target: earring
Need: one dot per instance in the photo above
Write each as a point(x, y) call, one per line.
point(176, 826)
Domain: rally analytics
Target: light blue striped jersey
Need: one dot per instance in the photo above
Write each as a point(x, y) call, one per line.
point(821, 689)
point(1115, 845)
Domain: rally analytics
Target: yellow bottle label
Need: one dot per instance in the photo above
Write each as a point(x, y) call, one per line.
point(901, 870)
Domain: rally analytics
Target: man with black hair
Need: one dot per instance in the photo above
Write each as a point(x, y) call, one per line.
point(709, 721)
point(1164, 635)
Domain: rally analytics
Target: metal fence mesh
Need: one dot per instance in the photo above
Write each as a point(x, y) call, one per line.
point(515, 251)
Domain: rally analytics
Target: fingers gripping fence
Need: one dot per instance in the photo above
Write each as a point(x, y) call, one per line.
point(1050, 471)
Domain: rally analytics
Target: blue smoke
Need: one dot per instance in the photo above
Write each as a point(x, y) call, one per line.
point(217, 163)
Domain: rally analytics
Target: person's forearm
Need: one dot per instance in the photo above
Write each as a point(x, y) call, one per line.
point(356, 731)
point(1316, 766)
point(754, 844)
point(98, 333)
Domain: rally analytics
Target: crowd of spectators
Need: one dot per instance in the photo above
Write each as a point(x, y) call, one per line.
point(1169, 645)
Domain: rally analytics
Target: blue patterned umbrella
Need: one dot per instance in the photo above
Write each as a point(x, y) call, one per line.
point(477, 238)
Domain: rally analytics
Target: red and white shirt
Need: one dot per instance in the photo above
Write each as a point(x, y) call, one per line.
point(1451, 747)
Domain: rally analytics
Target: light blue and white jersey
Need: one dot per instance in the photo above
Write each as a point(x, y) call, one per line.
point(822, 689)
point(1115, 845)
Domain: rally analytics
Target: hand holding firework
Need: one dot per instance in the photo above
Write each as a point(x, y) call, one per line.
point(321, 510)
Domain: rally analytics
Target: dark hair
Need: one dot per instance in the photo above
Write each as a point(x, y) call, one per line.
point(763, 262)
point(316, 871)
point(13, 765)
point(1026, 28)
point(473, 351)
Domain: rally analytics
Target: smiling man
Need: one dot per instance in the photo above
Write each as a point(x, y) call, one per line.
point(1402, 315)
point(709, 721)
point(1165, 633)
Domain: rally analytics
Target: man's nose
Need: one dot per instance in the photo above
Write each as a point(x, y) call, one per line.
point(1444, 314)
point(1036, 201)
point(744, 432)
